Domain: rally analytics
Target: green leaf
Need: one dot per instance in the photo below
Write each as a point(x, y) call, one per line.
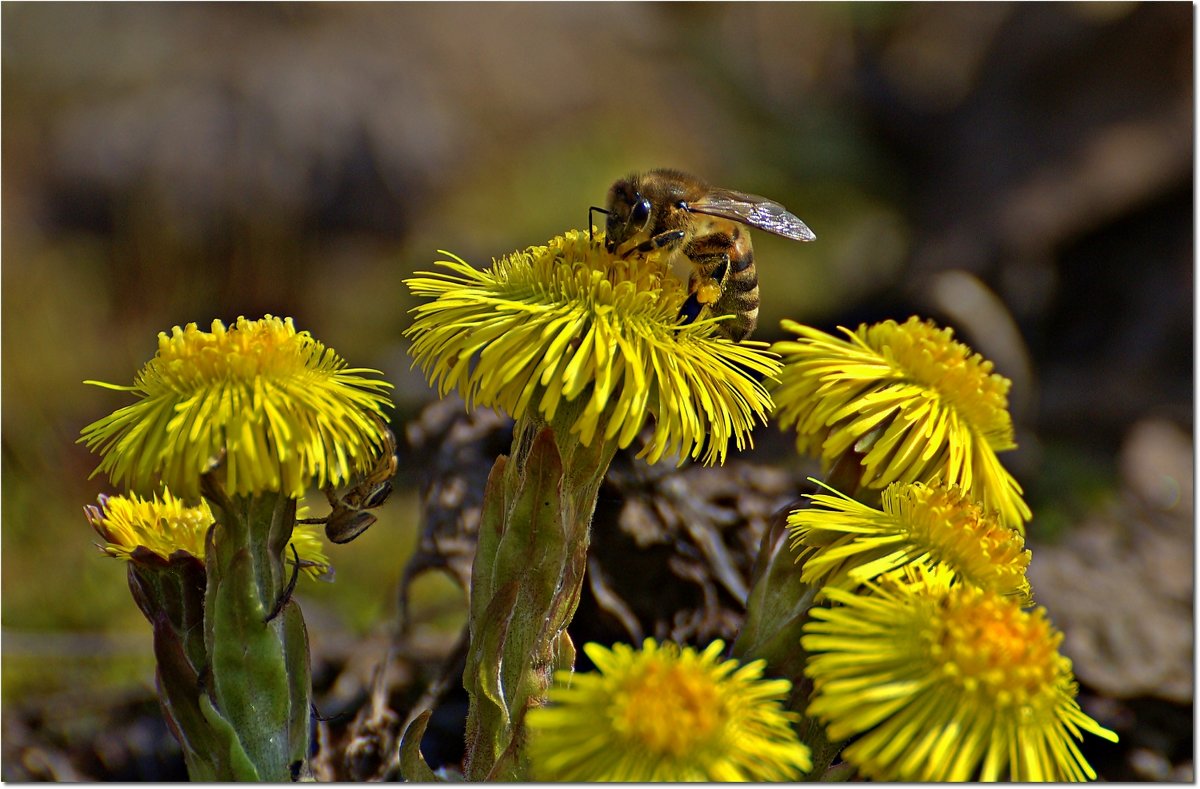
point(413, 767)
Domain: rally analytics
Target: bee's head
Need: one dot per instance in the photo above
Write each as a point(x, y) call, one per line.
point(628, 213)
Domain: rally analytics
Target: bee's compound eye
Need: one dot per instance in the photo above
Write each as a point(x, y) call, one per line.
point(641, 211)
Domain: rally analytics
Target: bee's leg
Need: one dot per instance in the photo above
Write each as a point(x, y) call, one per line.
point(709, 291)
point(703, 289)
point(708, 280)
point(591, 225)
point(709, 255)
point(729, 261)
point(657, 242)
point(690, 309)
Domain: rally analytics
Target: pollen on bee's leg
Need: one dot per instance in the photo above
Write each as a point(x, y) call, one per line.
point(708, 293)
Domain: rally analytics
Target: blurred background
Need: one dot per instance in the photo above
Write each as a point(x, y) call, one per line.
point(1021, 172)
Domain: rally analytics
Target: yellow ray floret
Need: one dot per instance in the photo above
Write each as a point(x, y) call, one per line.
point(569, 321)
point(165, 525)
point(914, 404)
point(268, 407)
point(842, 542)
point(942, 681)
point(665, 713)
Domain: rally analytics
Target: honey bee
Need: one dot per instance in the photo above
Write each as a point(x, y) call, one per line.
point(674, 211)
point(349, 516)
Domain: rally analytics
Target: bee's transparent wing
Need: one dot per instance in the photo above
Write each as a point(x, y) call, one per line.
point(754, 211)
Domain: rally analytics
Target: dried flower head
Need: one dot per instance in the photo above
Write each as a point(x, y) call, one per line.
point(917, 406)
point(166, 525)
point(842, 542)
point(943, 681)
point(568, 320)
point(665, 713)
point(270, 408)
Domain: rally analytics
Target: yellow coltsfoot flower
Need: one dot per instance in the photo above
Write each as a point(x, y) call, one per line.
point(583, 349)
point(555, 323)
point(943, 681)
point(665, 713)
point(911, 402)
point(164, 526)
point(249, 416)
point(265, 406)
point(841, 542)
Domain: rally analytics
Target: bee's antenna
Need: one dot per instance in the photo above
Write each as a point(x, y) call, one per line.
point(591, 211)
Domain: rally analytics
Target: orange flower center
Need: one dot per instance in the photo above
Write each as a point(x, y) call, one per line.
point(669, 709)
point(190, 358)
point(994, 648)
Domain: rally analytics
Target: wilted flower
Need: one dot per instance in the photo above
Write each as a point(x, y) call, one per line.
point(943, 681)
point(270, 408)
point(568, 320)
point(665, 713)
point(917, 406)
point(166, 525)
point(842, 542)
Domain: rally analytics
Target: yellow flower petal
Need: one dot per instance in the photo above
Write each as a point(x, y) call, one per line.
point(665, 713)
point(943, 681)
point(917, 406)
point(843, 543)
point(567, 320)
point(269, 407)
point(165, 525)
